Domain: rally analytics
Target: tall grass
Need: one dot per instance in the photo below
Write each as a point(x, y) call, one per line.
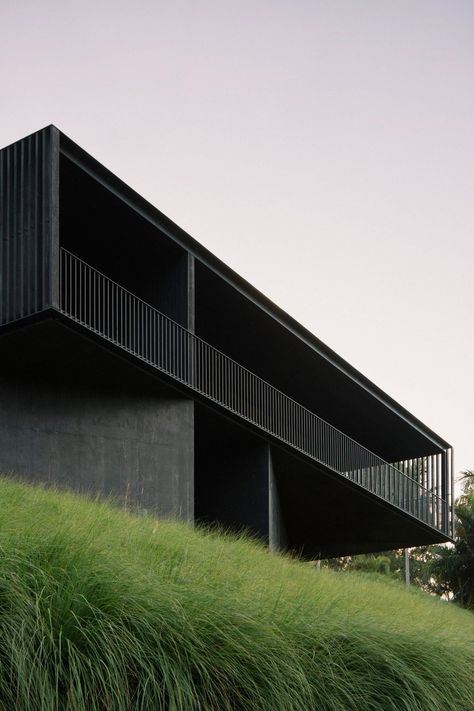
point(104, 610)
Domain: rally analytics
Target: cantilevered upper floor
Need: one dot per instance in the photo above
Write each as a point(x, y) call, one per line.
point(85, 259)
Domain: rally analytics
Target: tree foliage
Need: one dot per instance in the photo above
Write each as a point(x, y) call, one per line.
point(452, 571)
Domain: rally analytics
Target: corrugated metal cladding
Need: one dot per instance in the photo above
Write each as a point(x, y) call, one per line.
point(25, 226)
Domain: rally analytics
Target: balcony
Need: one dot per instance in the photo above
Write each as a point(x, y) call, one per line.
point(418, 487)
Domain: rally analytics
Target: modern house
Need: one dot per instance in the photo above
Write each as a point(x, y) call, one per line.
point(134, 363)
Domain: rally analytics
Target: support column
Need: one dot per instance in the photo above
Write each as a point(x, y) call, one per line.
point(277, 537)
point(191, 325)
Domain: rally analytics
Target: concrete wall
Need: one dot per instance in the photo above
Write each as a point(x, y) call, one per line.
point(137, 448)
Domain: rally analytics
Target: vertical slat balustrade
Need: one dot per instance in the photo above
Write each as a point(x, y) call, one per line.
point(93, 300)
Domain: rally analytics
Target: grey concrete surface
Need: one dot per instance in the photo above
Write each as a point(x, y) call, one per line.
point(135, 448)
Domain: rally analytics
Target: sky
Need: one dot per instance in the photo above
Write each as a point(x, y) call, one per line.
point(323, 149)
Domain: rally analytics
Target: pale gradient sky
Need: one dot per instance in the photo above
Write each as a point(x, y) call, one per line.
point(324, 150)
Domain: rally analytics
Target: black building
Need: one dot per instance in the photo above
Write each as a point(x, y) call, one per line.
point(136, 364)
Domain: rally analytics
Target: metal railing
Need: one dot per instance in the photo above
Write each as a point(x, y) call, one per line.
point(103, 306)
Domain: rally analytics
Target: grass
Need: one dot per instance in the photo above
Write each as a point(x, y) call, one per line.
point(103, 610)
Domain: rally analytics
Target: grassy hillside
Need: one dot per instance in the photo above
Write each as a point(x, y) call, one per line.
point(102, 610)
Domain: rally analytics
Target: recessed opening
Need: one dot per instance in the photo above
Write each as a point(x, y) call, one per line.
point(103, 231)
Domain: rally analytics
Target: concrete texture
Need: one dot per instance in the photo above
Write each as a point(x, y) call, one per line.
point(136, 448)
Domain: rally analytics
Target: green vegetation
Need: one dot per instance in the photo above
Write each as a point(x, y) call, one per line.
point(452, 569)
point(392, 563)
point(444, 570)
point(104, 610)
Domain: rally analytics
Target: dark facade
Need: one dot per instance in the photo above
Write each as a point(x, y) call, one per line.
point(137, 365)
